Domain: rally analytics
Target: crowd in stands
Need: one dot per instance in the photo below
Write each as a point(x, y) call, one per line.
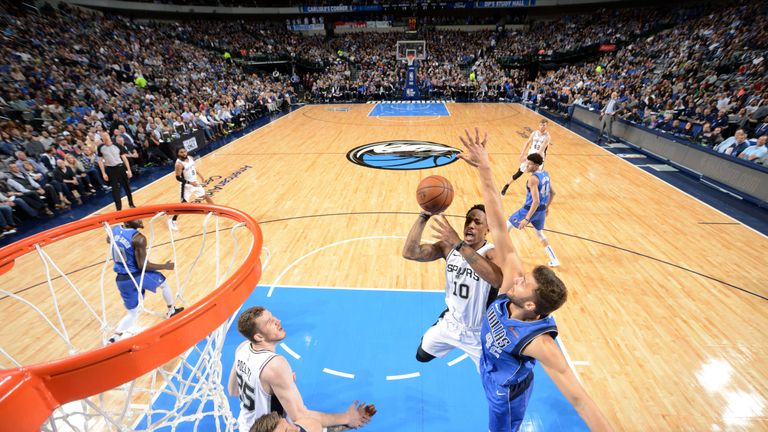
point(368, 68)
point(573, 32)
point(249, 39)
point(73, 79)
point(703, 80)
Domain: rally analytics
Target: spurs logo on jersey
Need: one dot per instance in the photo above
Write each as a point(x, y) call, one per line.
point(466, 294)
point(254, 401)
point(189, 173)
point(537, 141)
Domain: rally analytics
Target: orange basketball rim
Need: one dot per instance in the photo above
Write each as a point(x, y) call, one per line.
point(29, 394)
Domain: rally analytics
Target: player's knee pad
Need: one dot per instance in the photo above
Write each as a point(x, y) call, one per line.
point(423, 356)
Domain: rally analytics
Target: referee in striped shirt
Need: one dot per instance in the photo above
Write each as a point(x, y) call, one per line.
point(115, 169)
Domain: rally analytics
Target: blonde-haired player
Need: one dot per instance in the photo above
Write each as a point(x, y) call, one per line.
point(187, 174)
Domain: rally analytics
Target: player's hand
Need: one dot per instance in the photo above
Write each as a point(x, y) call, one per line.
point(522, 224)
point(355, 417)
point(194, 183)
point(444, 231)
point(106, 177)
point(477, 154)
point(366, 411)
point(169, 265)
point(130, 174)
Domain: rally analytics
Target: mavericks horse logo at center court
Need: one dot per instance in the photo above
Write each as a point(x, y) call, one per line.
point(403, 155)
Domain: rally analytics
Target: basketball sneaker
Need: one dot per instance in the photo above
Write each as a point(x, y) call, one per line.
point(172, 225)
point(114, 338)
point(504, 189)
point(554, 263)
point(173, 311)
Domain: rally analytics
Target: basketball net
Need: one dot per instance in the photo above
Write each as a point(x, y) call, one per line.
point(410, 57)
point(187, 390)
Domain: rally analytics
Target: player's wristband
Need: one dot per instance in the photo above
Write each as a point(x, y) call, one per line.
point(459, 245)
point(526, 219)
point(425, 216)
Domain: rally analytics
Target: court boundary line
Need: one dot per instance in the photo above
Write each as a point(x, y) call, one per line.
point(295, 286)
point(659, 260)
point(322, 248)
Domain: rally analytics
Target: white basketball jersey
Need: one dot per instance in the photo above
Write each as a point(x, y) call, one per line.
point(466, 294)
point(189, 173)
point(254, 401)
point(537, 141)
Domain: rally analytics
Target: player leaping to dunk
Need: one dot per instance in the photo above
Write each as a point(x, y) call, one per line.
point(188, 175)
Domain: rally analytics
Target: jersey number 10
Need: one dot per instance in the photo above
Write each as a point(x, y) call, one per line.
point(463, 290)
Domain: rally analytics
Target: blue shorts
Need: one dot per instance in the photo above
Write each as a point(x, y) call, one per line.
point(537, 220)
point(128, 291)
point(505, 413)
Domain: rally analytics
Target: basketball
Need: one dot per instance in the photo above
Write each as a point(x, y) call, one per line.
point(434, 194)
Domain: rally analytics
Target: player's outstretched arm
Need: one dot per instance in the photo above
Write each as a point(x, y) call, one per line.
point(414, 250)
point(477, 156)
point(545, 350)
point(279, 376)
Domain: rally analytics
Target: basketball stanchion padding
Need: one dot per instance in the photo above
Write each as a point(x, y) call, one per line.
point(29, 394)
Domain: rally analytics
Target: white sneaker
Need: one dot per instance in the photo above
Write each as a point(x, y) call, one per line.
point(554, 263)
point(114, 338)
point(173, 311)
point(172, 225)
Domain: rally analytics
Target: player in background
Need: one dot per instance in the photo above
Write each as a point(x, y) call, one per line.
point(129, 252)
point(538, 200)
point(538, 142)
point(188, 175)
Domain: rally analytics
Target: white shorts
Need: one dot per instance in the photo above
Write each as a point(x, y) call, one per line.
point(192, 193)
point(447, 335)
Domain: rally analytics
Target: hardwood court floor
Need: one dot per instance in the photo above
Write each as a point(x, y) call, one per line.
point(666, 313)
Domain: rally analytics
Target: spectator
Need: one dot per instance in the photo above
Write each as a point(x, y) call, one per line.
point(757, 151)
point(66, 175)
point(710, 138)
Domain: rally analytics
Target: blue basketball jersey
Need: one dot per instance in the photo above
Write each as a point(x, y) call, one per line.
point(502, 363)
point(543, 177)
point(122, 249)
